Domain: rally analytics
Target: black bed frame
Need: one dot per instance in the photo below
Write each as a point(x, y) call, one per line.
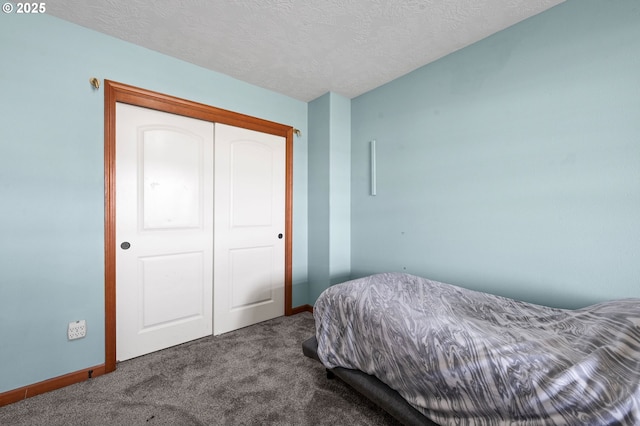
point(369, 386)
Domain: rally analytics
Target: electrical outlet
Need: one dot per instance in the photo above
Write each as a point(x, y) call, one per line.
point(77, 330)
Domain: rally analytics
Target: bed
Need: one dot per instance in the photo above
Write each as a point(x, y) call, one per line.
point(433, 353)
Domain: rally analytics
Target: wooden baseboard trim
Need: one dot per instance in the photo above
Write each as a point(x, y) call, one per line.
point(25, 392)
point(303, 308)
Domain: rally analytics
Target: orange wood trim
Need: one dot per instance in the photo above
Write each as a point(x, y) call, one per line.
point(303, 308)
point(288, 226)
point(119, 92)
point(25, 392)
point(110, 226)
point(161, 102)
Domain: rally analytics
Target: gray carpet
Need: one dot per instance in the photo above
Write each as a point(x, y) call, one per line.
point(256, 375)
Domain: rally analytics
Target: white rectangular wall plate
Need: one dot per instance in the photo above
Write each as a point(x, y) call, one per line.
point(374, 185)
point(77, 329)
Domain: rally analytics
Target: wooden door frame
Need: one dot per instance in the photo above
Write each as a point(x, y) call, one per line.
point(119, 92)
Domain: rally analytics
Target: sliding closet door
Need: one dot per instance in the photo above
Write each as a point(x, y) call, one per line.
point(164, 230)
point(249, 265)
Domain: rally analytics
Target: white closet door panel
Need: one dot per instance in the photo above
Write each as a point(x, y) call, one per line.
point(164, 212)
point(249, 227)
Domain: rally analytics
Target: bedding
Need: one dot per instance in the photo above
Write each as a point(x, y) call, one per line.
point(463, 357)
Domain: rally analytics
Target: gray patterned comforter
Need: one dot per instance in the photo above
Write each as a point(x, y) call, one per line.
point(463, 357)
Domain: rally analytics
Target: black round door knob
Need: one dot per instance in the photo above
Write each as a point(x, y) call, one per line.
point(280, 236)
point(125, 245)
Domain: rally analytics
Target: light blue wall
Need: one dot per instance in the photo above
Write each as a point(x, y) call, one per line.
point(52, 182)
point(329, 192)
point(340, 189)
point(511, 166)
point(319, 187)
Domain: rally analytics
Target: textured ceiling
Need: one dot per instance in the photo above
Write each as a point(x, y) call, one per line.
point(302, 48)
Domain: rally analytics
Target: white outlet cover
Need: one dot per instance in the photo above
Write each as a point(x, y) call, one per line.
point(77, 329)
